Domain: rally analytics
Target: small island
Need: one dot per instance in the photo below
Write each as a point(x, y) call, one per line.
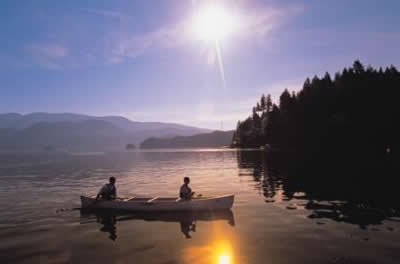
point(130, 147)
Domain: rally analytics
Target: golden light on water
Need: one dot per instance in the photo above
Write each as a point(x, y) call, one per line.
point(219, 252)
point(218, 247)
point(224, 259)
point(223, 251)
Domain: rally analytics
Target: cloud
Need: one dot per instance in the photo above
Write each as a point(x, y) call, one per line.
point(260, 22)
point(48, 50)
point(124, 45)
point(107, 13)
point(119, 43)
point(254, 23)
point(48, 55)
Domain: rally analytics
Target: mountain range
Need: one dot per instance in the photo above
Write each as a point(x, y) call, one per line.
point(76, 132)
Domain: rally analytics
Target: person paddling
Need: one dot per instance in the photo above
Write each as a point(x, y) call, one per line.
point(185, 192)
point(108, 191)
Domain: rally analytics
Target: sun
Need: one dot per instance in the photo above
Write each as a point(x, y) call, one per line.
point(213, 23)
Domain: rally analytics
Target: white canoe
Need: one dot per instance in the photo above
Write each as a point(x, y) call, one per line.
point(159, 204)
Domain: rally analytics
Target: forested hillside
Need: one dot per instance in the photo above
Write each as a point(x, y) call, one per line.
point(356, 110)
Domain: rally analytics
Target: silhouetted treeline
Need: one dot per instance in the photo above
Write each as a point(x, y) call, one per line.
point(346, 127)
point(356, 110)
point(215, 139)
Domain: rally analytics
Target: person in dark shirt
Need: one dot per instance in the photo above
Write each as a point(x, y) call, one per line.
point(185, 192)
point(108, 191)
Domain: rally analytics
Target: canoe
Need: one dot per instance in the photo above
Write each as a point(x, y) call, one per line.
point(160, 204)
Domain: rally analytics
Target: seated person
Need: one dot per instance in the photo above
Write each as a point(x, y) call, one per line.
point(185, 192)
point(108, 191)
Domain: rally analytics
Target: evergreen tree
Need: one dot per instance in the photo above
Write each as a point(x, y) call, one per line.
point(358, 67)
point(333, 115)
point(263, 102)
point(254, 112)
point(268, 103)
point(285, 101)
point(339, 131)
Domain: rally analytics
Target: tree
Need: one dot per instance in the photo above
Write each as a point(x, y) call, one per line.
point(358, 67)
point(285, 100)
point(332, 115)
point(256, 118)
point(327, 77)
point(268, 103)
point(258, 107)
point(263, 102)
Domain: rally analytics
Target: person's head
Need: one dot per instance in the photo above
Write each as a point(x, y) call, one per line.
point(186, 180)
point(112, 180)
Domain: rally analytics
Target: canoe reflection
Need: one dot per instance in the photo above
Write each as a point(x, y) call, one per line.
point(187, 220)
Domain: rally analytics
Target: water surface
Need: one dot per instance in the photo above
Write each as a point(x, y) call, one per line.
point(268, 223)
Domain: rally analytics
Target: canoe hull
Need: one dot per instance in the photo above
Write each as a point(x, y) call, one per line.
point(160, 205)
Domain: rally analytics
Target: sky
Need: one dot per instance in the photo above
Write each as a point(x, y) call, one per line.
point(142, 59)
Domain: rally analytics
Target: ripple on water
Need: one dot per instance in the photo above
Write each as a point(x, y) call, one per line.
point(39, 224)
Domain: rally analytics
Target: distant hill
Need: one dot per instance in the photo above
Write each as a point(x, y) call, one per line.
point(208, 140)
point(18, 121)
point(74, 132)
point(91, 135)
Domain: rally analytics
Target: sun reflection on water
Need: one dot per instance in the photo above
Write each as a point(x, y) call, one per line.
point(218, 247)
point(224, 259)
point(223, 251)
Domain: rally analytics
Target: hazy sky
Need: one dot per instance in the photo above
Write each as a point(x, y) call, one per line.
point(140, 59)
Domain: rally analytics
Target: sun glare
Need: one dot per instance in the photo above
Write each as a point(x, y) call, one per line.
point(213, 23)
point(224, 259)
point(223, 251)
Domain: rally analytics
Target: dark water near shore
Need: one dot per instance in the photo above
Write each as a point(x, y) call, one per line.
point(268, 224)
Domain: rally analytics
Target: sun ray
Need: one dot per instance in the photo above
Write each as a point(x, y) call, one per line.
point(220, 62)
point(212, 24)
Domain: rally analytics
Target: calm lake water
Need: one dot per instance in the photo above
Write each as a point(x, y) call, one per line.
point(39, 222)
